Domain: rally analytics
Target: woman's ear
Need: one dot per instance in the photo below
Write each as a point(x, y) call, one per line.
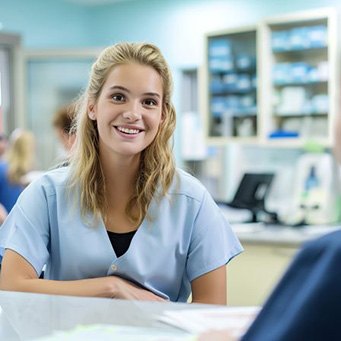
point(91, 112)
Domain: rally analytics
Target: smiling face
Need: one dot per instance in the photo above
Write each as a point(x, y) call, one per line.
point(128, 111)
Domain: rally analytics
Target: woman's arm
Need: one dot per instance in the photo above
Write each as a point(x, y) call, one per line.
point(18, 275)
point(210, 288)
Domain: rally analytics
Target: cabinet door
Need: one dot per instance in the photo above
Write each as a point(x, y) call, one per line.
point(231, 86)
point(299, 77)
point(252, 275)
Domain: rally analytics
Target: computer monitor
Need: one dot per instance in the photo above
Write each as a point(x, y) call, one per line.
point(251, 193)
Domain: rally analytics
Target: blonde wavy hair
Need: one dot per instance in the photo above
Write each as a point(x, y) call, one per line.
point(157, 167)
point(20, 155)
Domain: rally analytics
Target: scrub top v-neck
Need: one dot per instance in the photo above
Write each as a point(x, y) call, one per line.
point(120, 241)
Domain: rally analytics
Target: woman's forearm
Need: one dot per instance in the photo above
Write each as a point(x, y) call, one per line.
point(96, 287)
point(17, 274)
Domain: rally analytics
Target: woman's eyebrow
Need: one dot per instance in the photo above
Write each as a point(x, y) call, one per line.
point(119, 87)
point(152, 94)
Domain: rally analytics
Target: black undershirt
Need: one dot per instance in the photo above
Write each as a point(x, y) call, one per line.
point(121, 241)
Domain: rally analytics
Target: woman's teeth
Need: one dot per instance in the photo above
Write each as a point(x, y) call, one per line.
point(128, 131)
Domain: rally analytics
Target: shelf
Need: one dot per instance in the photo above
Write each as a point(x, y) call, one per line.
point(232, 71)
point(317, 49)
point(244, 114)
point(314, 83)
point(299, 142)
point(233, 92)
point(300, 115)
point(223, 140)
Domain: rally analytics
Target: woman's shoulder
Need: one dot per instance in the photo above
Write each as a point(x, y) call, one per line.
point(187, 185)
point(51, 180)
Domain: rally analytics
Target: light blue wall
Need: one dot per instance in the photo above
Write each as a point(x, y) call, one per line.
point(45, 23)
point(177, 26)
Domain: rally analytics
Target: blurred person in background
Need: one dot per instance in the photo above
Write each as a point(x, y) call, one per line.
point(63, 125)
point(16, 165)
point(3, 144)
point(3, 148)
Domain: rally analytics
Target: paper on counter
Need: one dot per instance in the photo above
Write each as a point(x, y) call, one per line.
point(234, 319)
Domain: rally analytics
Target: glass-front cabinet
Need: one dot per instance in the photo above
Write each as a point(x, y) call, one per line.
point(275, 83)
point(232, 84)
point(299, 99)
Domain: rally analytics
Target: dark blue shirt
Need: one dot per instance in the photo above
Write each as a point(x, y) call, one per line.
point(9, 192)
point(306, 304)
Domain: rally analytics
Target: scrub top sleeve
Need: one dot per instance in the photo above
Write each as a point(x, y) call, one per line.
point(26, 229)
point(213, 243)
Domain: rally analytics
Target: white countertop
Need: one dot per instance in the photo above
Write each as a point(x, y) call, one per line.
point(260, 233)
point(28, 316)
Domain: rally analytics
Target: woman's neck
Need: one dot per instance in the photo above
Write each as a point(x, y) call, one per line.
point(120, 182)
point(120, 178)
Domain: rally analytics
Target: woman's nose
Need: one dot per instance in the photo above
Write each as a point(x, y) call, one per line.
point(131, 115)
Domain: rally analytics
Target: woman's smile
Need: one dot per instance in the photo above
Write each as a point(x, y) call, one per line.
point(128, 132)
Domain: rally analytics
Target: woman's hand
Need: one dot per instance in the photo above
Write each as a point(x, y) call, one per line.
point(125, 289)
point(217, 335)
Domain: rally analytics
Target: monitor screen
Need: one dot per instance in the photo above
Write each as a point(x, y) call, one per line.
point(252, 191)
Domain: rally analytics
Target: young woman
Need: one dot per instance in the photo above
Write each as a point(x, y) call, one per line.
point(120, 221)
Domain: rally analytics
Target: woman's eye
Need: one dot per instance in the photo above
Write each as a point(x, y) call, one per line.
point(150, 102)
point(118, 98)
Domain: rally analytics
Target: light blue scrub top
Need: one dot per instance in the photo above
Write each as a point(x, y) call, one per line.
point(187, 237)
